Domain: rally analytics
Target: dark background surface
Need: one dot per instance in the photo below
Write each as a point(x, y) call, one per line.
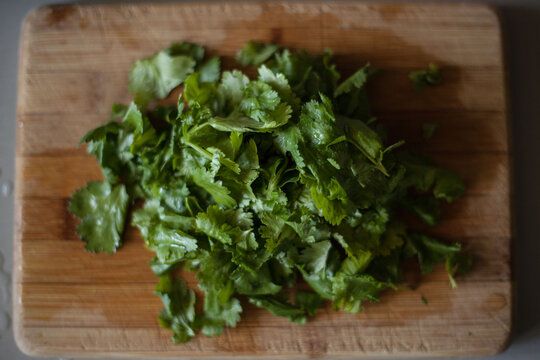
point(521, 26)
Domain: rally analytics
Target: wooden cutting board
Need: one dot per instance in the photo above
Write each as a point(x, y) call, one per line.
point(74, 64)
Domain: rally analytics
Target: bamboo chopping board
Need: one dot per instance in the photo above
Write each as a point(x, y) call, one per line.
point(74, 64)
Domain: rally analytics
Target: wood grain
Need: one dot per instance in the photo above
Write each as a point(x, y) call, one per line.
point(74, 64)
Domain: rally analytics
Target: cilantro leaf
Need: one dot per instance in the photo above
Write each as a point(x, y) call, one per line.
point(280, 307)
point(102, 208)
point(232, 86)
point(356, 80)
point(165, 232)
point(457, 264)
point(110, 144)
point(239, 122)
point(255, 53)
point(426, 208)
point(314, 256)
point(251, 282)
point(366, 140)
point(307, 75)
point(448, 186)
point(280, 84)
point(308, 301)
point(217, 315)
point(351, 290)
point(428, 77)
point(179, 312)
point(186, 48)
point(227, 226)
point(220, 308)
point(210, 70)
point(350, 96)
point(430, 251)
point(117, 111)
point(155, 77)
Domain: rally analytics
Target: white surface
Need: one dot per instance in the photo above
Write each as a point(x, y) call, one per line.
point(522, 26)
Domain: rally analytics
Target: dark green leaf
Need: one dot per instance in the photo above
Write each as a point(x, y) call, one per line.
point(430, 251)
point(423, 78)
point(179, 312)
point(255, 53)
point(457, 264)
point(280, 308)
point(448, 186)
point(308, 301)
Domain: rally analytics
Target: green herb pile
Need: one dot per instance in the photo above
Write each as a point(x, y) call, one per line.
point(257, 184)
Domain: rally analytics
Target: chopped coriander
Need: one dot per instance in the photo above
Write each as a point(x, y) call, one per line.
point(254, 184)
point(428, 77)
